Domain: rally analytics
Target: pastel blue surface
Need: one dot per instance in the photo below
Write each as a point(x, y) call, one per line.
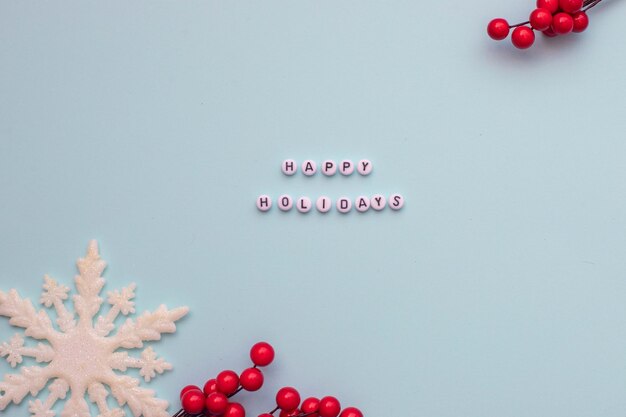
point(499, 290)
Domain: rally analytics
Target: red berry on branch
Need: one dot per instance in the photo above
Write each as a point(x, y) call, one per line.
point(210, 387)
point(562, 23)
point(227, 382)
point(540, 19)
point(310, 406)
point(262, 354)
point(549, 33)
point(189, 388)
point(329, 407)
point(216, 403)
point(551, 5)
point(581, 21)
point(234, 410)
point(292, 413)
point(351, 412)
point(571, 6)
point(251, 379)
point(193, 402)
point(498, 29)
point(523, 37)
point(287, 399)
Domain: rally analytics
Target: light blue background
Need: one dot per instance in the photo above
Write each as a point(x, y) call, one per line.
point(498, 292)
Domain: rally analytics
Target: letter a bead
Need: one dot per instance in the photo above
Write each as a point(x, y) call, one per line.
point(264, 203)
point(285, 202)
point(309, 167)
point(362, 203)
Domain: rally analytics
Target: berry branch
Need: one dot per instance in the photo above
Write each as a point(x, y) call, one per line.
point(551, 17)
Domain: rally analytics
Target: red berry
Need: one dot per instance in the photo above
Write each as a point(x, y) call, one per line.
point(189, 388)
point(262, 354)
point(498, 29)
point(351, 412)
point(251, 379)
point(540, 19)
point(292, 413)
point(523, 37)
point(570, 6)
point(549, 33)
point(287, 399)
point(562, 23)
point(210, 387)
point(581, 21)
point(310, 406)
point(216, 403)
point(227, 382)
point(235, 410)
point(193, 402)
point(329, 407)
point(551, 5)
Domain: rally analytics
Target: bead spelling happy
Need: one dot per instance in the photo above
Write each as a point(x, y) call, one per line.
point(324, 204)
point(551, 17)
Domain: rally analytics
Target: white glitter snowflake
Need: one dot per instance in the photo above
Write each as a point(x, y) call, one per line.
point(80, 354)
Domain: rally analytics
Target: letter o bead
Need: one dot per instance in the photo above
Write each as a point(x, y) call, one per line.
point(344, 205)
point(396, 201)
point(264, 202)
point(285, 202)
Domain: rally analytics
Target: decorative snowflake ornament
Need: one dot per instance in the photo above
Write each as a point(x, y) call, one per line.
point(81, 354)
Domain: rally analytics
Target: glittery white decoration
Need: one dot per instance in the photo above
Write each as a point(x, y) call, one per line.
point(81, 356)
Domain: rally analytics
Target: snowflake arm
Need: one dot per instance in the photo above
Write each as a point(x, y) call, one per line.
point(15, 387)
point(98, 394)
point(121, 302)
point(55, 295)
point(149, 364)
point(58, 391)
point(22, 314)
point(149, 326)
point(141, 401)
point(14, 351)
point(89, 283)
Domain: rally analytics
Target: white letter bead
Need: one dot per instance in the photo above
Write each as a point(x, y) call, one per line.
point(264, 202)
point(364, 167)
point(285, 202)
point(329, 168)
point(362, 203)
point(396, 201)
point(344, 205)
point(378, 202)
point(309, 167)
point(289, 167)
point(346, 167)
point(323, 204)
point(304, 204)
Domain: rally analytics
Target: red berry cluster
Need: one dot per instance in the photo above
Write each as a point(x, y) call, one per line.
point(213, 399)
point(288, 402)
point(551, 17)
